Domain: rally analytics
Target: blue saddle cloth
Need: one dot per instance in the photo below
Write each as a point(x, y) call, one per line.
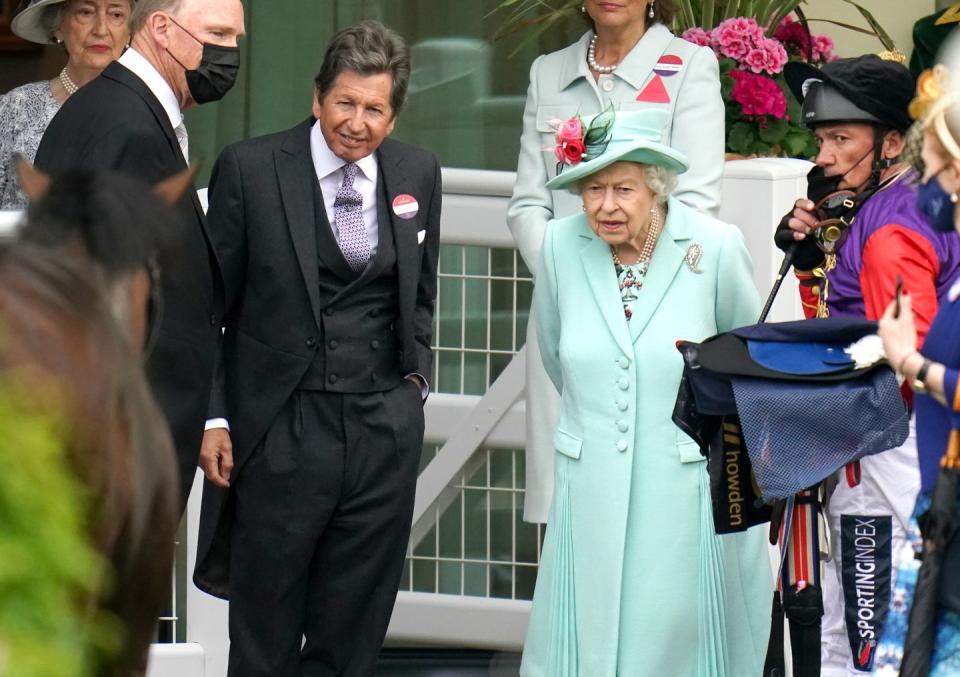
point(805, 410)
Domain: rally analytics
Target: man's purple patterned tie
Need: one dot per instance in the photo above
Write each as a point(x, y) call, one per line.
point(348, 214)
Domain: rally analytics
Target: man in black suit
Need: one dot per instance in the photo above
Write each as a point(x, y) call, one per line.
point(130, 119)
point(328, 236)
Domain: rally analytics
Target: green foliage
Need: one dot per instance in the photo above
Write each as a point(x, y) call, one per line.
point(741, 138)
point(49, 570)
point(599, 128)
point(774, 131)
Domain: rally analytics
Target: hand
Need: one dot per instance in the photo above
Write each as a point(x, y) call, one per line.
point(899, 334)
point(418, 383)
point(803, 219)
point(792, 232)
point(216, 456)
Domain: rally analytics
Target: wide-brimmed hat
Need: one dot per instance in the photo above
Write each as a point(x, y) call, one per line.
point(635, 136)
point(32, 20)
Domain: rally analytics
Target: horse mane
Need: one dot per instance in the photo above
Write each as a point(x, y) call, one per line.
point(120, 223)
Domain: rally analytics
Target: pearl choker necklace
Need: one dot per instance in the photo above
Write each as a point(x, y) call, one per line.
point(67, 82)
point(592, 58)
point(646, 253)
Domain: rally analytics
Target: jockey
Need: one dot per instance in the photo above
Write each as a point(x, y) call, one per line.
point(857, 239)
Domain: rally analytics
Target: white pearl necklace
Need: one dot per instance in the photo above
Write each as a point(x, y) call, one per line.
point(67, 82)
point(646, 253)
point(592, 58)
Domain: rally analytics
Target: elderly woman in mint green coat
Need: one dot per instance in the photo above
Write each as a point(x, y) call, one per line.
point(642, 65)
point(633, 580)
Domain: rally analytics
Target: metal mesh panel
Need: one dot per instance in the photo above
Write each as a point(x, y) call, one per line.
point(479, 545)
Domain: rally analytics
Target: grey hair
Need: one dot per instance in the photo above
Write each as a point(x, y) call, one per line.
point(660, 180)
point(367, 48)
point(142, 9)
point(52, 17)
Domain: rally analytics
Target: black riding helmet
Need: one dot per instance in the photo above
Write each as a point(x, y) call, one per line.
point(861, 89)
point(864, 89)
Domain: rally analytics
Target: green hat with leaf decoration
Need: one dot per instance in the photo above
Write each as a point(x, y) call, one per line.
point(624, 136)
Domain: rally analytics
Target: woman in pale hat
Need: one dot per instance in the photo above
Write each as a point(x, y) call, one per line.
point(633, 580)
point(93, 33)
point(922, 634)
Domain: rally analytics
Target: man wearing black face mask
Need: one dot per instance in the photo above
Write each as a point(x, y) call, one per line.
point(130, 119)
point(858, 110)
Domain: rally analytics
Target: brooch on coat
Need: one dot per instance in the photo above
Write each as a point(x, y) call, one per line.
point(694, 254)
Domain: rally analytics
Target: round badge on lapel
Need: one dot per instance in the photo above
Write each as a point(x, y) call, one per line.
point(405, 206)
point(669, 64)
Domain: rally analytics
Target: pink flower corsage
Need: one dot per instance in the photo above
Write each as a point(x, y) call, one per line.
point(570, 147)
point(577, 142)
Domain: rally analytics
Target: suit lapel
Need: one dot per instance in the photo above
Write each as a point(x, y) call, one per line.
point(404, 232)
point(296, 176)
point(384, 233)
point(636, 67)
point(667, 258)
point(120, 73)
point(598, 266)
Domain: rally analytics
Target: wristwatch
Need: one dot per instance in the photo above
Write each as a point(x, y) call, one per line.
point(919, 384)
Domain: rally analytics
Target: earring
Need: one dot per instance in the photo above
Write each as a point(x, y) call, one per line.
point(650, 11)
point(585, 206)
point(954, 198)
point(583, 9)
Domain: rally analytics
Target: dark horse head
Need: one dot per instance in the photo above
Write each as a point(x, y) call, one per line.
point(77, 302)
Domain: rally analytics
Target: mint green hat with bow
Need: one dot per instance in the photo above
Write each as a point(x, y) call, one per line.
point(632, 136)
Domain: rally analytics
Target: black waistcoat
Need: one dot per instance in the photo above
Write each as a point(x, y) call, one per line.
point(358, 349)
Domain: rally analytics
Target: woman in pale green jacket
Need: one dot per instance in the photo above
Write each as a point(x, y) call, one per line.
point(633, 580)
point(636, 63)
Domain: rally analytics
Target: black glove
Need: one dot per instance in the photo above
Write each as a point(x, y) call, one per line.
point(807, 255)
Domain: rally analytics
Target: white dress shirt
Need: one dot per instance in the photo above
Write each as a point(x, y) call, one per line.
point(135, 62)
point(329, 169)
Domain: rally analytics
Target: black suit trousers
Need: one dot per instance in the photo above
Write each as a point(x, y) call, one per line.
point(322, 519)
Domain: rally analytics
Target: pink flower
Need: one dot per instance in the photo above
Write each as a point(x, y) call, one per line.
point(758, 95)
point(570, 130)
point(823, 48)
point(791, 34)
point(735, 37)
point(559, 154)
point(769, 57)
point(775, 56)
point(794, 38)
point(570, 147)
point(573, 151)
point(697, 36)
point(755, 60)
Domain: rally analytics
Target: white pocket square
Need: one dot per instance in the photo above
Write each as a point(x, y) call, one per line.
point(421, 235)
